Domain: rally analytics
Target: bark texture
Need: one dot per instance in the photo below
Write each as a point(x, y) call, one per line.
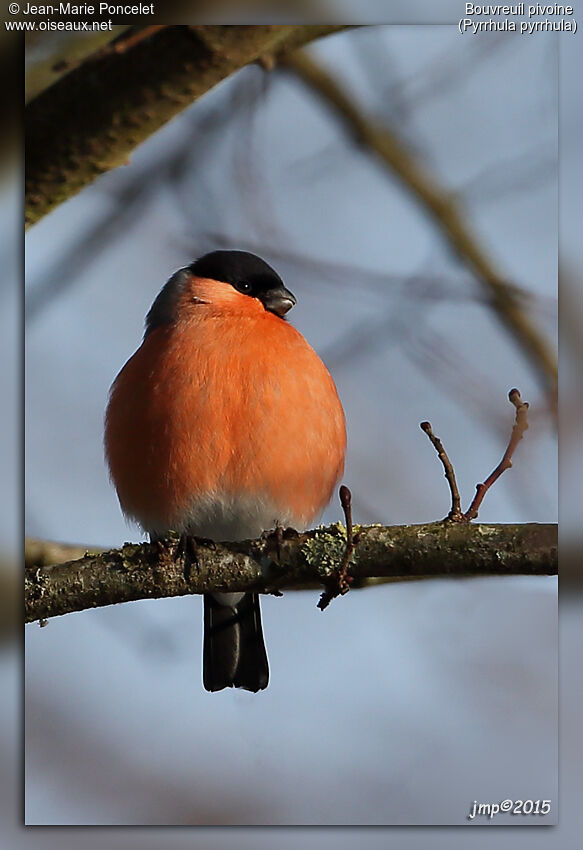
point(308, 560)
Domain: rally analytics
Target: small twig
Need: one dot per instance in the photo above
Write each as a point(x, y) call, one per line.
point(126, 41)
point(339, 582)
point(455, 514)
point(267, 62)
point(520, 426)
point(344, 580)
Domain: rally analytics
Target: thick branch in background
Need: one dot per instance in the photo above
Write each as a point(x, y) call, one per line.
point(44, 69)
point(385, 144)
point(91, 119)
point(293, 561)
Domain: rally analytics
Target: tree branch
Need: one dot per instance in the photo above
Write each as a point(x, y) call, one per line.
point(295, 561)
point(68, 52)
point(91, 119)
point(439, 203)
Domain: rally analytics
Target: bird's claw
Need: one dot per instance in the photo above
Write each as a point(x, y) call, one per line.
point(187, 549)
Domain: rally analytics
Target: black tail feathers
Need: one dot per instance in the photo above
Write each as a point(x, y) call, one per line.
point(234, 653)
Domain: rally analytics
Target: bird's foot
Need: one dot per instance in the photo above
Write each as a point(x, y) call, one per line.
point(273, 540)
point(187, 550)
point(275, 537)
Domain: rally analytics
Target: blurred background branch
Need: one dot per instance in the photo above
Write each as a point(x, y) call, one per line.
point(43, 553)
point(92, 118)
point(440, 204)
point(47, 63)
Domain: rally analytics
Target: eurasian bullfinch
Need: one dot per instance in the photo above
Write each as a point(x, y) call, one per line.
point(224, 424)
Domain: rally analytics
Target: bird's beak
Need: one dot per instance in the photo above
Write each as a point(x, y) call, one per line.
point(278, 300)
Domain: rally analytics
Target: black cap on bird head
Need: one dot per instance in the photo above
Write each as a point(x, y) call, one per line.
point(245, 272)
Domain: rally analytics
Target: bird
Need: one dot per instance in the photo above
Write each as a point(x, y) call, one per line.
point(224, 424)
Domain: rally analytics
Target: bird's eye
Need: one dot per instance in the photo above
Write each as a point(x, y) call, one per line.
point(244, 286)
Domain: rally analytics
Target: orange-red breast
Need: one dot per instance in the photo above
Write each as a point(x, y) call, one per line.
point(224, 423)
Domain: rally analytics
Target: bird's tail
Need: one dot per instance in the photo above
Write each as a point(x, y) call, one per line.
point(234, 653)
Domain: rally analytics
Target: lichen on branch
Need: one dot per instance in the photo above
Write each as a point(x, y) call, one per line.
point(296, 561)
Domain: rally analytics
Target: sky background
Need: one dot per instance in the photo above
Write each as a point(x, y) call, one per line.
point(443, 692)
